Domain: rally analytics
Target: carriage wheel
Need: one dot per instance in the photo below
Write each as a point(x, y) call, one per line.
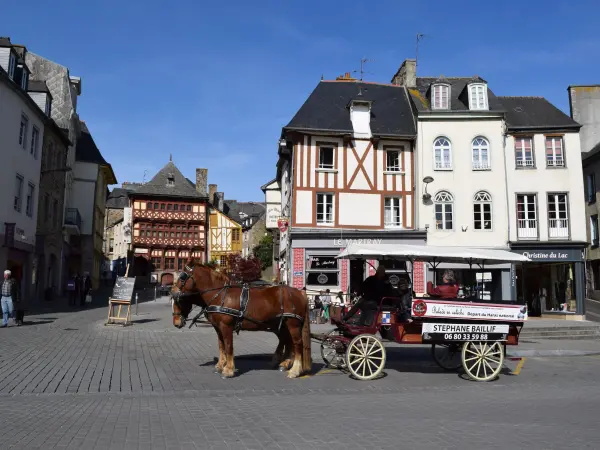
point(482, 360)
point(447, 356)
point(329, 352)
point(365, 357)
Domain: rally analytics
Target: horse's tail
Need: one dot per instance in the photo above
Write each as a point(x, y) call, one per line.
point(306, 339)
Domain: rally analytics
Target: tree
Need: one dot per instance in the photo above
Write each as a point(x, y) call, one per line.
point(242, 270)
point(264, 251)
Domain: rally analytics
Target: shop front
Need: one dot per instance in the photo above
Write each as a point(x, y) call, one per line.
point(553, 283)
point(315, 267)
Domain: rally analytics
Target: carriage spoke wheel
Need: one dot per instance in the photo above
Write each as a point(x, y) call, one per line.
point(365, 357)
point(447, 356)
point(329, 351)
point(482, 361)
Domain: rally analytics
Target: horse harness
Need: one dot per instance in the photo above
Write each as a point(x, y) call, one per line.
point(241, 313)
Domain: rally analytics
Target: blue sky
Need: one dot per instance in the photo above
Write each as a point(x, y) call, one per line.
point(213, 83)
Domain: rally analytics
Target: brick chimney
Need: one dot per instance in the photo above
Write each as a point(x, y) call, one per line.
point(219, 201)
point(212, 190)
point(201, 180)
point(407, 74)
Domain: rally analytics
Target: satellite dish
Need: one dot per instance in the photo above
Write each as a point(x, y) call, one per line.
point(427, 180)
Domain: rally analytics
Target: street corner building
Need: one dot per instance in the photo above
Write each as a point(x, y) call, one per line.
point(169, 224)
point(346, 173)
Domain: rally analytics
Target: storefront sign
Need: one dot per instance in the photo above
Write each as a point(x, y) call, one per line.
point(553, 255)
point(346, 242)
point(9, 234)
point(464, 332)
point(459, 310)
point(123, 289)
point(282, 224)
point(322, 262)
point(273, 215)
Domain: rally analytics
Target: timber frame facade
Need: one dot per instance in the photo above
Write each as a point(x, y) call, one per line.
point(225, 237)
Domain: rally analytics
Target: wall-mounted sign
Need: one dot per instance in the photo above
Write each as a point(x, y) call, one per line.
point(322, 262)
point(273, 215)
point(127, 218)
point(346, 242)
point(141, 251)
point(552, 255)
point(298, 273)
point(282, 224)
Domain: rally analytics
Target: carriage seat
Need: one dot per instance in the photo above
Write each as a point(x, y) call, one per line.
point(442, 291)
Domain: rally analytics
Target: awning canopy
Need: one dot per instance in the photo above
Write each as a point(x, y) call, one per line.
point(431, 253)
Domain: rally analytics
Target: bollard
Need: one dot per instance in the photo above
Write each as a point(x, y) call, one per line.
point(136, 303)
point(154, 292)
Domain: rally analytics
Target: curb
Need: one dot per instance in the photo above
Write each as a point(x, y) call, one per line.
point(551, 353)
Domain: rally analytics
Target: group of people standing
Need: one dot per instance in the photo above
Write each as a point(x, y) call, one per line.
point(322, 305)
point(78, 288)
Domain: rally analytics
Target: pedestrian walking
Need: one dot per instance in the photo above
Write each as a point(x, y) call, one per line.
point(326, 299)
point(10, 294)
point(86, 287)
point(72, 290)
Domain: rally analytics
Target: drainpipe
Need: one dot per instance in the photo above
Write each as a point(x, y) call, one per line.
point(513, 269)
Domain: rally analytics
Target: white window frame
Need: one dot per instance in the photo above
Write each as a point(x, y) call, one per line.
point(337, 270)
point(478, 97)
point(35, 137)
point(24, 79)
point(523, 161)
point(30, 199)
point(445, 200)
point(395, 168)
point(18, 197)
point(482, 199)
point(439, 146)
point(12, 62)
point(23, 127)
point(321, 199)
point(560, 223)
point(323, 166)
point(437, 101)
point(555, 162)
point(479, 145)
point(591, 187)
point(527, 221)
point(391, 206)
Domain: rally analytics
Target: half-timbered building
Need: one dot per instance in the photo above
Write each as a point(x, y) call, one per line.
point(169, 215)
point(346, 170)
point(225, 232)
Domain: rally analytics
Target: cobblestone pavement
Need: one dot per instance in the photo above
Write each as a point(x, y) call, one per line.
point(68, 381)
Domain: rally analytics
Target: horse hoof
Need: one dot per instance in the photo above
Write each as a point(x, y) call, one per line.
point(281, 369)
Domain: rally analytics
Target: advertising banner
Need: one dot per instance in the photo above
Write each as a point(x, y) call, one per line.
point(463, 332)
point(465, 310)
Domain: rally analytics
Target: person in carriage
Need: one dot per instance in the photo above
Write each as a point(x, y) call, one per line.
point(447, 289)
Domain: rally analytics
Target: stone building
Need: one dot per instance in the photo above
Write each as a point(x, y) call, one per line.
point(117, 233)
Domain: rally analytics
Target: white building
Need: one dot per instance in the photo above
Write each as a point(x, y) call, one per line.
point(346, 173)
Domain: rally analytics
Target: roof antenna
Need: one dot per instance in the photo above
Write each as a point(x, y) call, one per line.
point(419, 37)
point(363, 61)
point(171, 157)
point(144, 177)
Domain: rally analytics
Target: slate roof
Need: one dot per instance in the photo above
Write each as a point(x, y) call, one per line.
point(182, 187)
point(327, 109)
point(118, 198)
point(535, 113)
point(5, 42)
point(459, 94)
point(87, 151)
point(233, 209)
point(588, 156)
point(38, 86)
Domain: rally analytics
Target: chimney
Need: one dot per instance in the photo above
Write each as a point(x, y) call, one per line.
point(219, 201)
point(407, 74)
point(212, 190)
point(201, 180)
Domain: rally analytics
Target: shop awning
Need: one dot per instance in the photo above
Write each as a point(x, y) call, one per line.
point(431, 253)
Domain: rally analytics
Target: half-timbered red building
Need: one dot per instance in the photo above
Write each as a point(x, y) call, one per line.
point(169, 223)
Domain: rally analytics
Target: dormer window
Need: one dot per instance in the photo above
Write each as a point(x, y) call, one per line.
point(440, 95)
point(11, 66)
point(170, 180)
point(326, 158)
point(24, 76)
point(360, 116)
point(478, 96)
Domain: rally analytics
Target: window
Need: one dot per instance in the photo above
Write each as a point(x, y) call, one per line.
point(392, 161)
point(157, 262)
point(478, 96)
point(223, 261)
point(171, 181)
point(235, 235)
point(322, 270)
point(325, 209)
point(392, 213)
point(188, 207)
point(18, 193)
point(526, 216)
point(554, 151)
point(149, 205)
point(24, 76)
point(481, 156)
point(444, 203)
point(558, 216)
point(29, 200)
point(482, 211)
point(155, 205)
point(170, 263)
point(524, 151)
point(325, 158)
point(176, 207)
point(442, 154)
point(11, 66)
point(440, 96)
point(594, 230)
point(111, 245)
point(48, 108)
point(169, 207)
point(23, 131)
point(162, 206)
point(591, 187)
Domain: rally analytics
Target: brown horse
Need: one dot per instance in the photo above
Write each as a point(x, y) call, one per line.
point(279, 309)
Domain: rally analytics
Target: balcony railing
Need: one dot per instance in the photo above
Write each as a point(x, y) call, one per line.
point(558, 228)
point(443, 165)
point(481, 165)
point(169, 215)
point(524, 162)
point(527, 229)
point(73, 218)
point(555, 162)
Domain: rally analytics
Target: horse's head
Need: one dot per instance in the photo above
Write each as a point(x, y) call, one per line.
point(193, 282)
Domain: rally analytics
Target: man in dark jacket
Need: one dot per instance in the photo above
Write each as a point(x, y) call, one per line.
point(372, 290)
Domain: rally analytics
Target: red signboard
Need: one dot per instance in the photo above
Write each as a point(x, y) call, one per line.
point(282, 224)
